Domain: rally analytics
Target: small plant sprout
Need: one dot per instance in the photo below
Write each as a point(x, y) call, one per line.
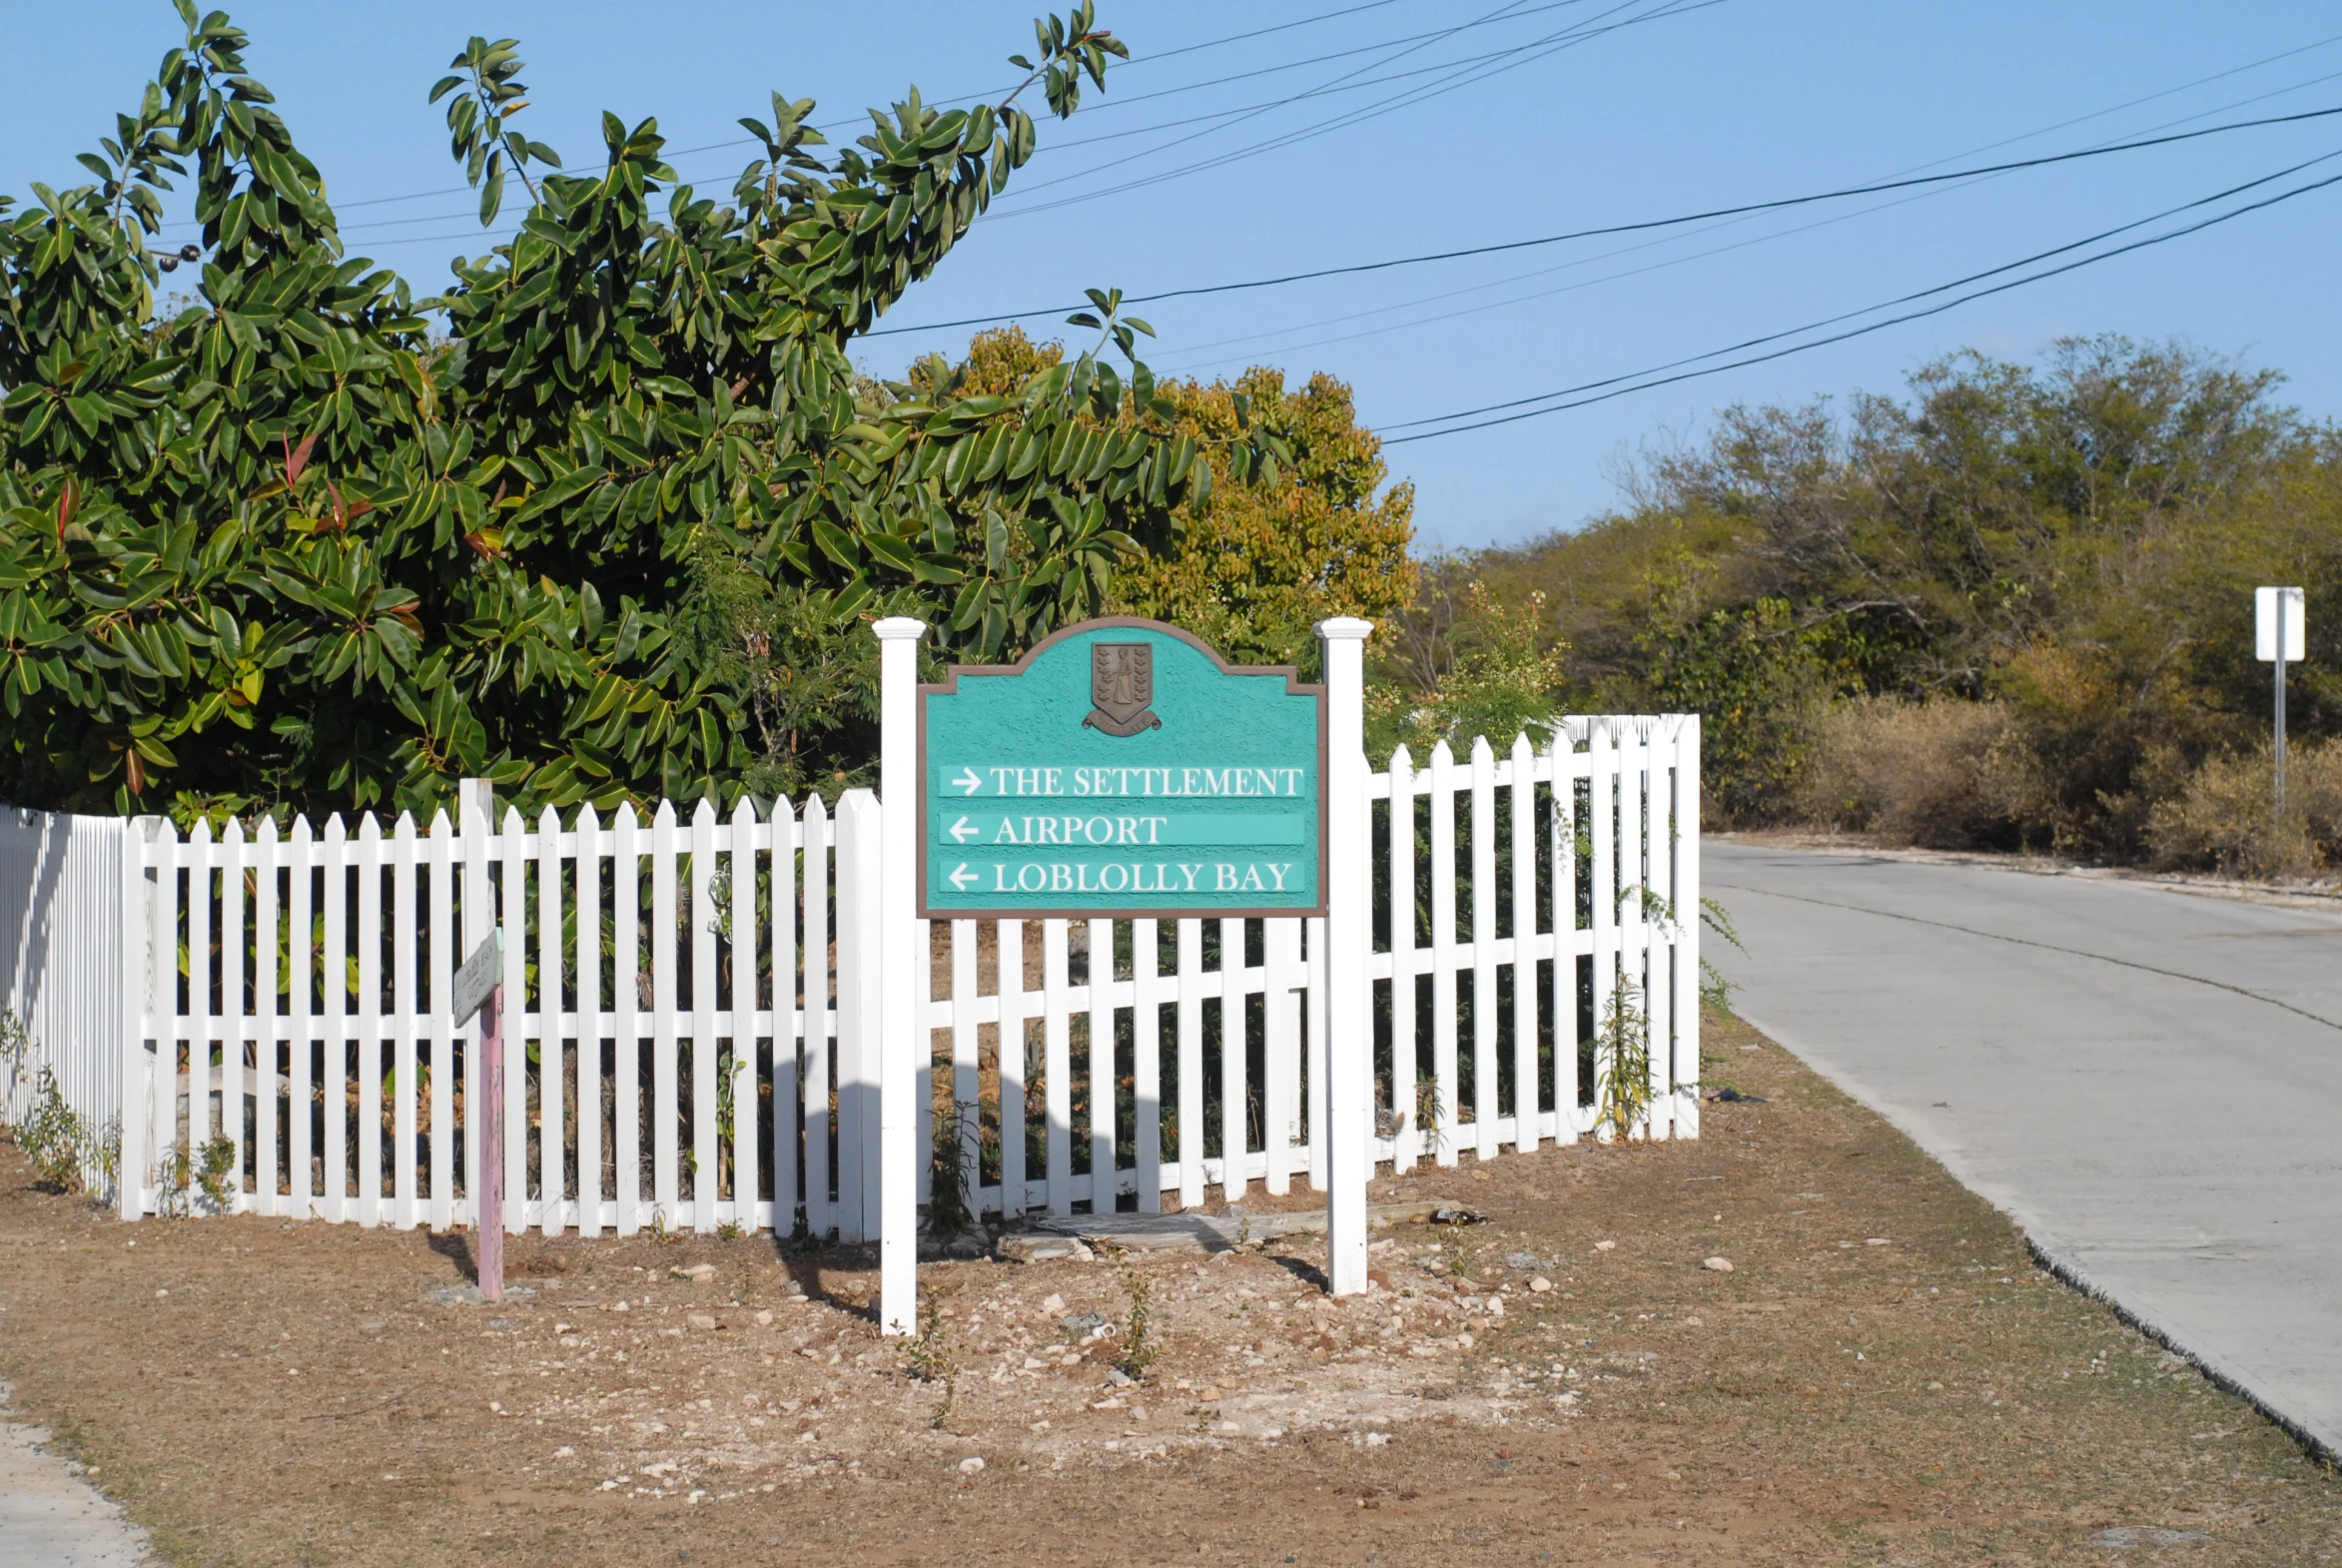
point(217, 1175)
point(1624, 1062)
point(931, 1356)
point(1141, 1343)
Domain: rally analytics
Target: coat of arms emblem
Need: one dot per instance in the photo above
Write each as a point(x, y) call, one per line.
point(1121, 684)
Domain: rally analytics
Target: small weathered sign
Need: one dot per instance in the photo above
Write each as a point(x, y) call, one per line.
point(1121, 770)
point(482, 974)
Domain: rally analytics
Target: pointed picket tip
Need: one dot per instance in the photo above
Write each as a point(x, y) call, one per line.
point(1521, 749)
point(782, 811)
point(302, 832)
point(333, 828)
point(626, 818)
point(266, 832)
point(1482, 751)
point(1441, 755)
point(705, 812)
point(370, 829)
point(404, 829)
point(588, 821)
point(744, 812)
point(548, 820)
point(234, 833)
point(665, 816)
point(816, 809)
point(1402, 761)
point(439, 826)
point(514, 825)
point(202, 831)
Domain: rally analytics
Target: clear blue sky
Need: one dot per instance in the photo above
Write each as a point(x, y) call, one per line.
point(1496, 122)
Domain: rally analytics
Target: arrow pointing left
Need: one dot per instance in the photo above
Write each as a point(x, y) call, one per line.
point(963, 830)
point(960, 877)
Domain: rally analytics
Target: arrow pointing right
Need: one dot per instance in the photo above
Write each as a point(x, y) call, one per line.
point(960, 877)
point(968, 781)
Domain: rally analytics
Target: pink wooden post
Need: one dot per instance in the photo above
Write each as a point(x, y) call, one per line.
point(491, 1148)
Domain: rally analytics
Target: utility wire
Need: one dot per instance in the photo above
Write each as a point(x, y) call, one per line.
point(1552, 43)
point(1840, 192)
point(1194, 357)
point(1644, 384)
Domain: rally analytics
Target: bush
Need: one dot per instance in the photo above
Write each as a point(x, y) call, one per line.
point(1942, 775)
point(2225, 819)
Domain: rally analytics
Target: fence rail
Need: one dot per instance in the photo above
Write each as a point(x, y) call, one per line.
point(692, 1004)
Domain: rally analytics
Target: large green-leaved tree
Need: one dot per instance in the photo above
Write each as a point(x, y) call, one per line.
point(303, 543)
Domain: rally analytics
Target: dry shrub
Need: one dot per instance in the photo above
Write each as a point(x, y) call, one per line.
point(2225, 818)
point(1944, 775)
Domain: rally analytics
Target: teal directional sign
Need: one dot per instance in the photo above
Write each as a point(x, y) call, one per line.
point(1121, 769)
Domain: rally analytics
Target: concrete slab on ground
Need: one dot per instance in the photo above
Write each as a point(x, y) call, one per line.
point(50, 1517)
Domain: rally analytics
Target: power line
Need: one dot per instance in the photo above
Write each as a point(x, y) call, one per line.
point(1646, 379)
point(1551, 44)
point(1196, 361)
point(1640, 226)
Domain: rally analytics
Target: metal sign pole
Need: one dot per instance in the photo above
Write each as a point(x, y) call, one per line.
point(2280, 670)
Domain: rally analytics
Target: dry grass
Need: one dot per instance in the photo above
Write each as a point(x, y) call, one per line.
point(2226, 818)
point(1920, 1398)
point(1940, 775)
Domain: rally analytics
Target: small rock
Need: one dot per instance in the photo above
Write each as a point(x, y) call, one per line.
point(1042, 1249)
point(1053, 1303)
point(564, 1452)
point(971, 1465)
point(1717, 1266)
point(1540, 1284)
point(1108, 1403)
point(694, 1271)
point(1377, 1440)
point(1604, 1246)
point(1876, 1240)
point(1117, 1377)
point(1934, 1388)
point(1463, 1341)
point(1034, 1363)
point(700, 1321)
point(764, 1320)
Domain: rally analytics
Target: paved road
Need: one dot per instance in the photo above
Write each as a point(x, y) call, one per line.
point(50, 1517)
point(2149, 1080)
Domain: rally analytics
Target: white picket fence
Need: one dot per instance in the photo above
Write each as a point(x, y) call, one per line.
point(694, 1004)
point(61, 947)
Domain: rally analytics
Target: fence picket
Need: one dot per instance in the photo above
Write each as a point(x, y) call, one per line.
point(1235, 1058)
point(1146, 1062)
point(404, 1131)
point(1486, 1084)
point(1444, 953)
point(788, 1016)
point(552, 1046)
point(626, 997)
point(820, 1217)
point(265, 1034)
point(1280, 1055)
point(1017, 1002)
point(1190, 1017)
point(442, 1022)
point(741, 950)
point(1406, 963)
point(232, 1003)
point(368, 940)
point(301, 1184)
point(1527, 1099)
point(588, 965)
point(1056, 1071)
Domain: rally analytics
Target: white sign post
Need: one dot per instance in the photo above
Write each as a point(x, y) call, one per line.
point(2279, 639)
point(480, 988)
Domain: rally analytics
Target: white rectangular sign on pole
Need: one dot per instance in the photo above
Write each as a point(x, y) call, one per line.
point(2277, 622)
point(480, 974)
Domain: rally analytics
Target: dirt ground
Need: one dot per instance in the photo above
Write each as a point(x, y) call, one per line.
point(1879, 1378)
